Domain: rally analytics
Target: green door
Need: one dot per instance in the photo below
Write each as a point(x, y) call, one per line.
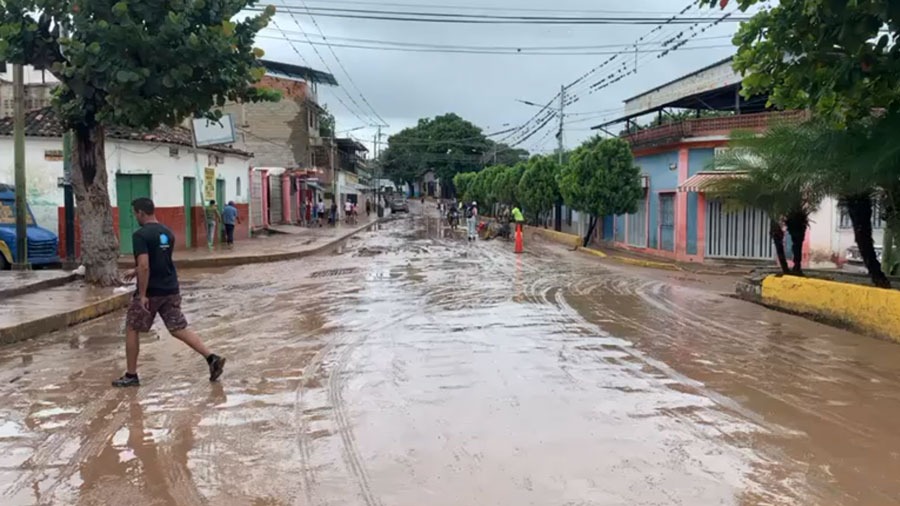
point(190, 201)
point(220, 194)
point(128, 188)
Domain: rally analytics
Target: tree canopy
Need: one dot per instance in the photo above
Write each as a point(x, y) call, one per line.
point(538, 188)
point(447, 144)
point(601, 178)
point(132, 63)
point(840, 59)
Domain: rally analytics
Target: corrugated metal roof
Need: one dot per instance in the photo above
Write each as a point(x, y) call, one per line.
point(287, 70)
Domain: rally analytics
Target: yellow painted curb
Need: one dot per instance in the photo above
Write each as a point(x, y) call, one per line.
point(646, 263)
point(591, 251)
point(870, 309)
point(552, 235)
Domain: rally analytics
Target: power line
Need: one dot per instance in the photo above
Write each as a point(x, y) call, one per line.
point(341, 64)
point(489, 52)
point(351, 111)
point(425, 17)
point(488, 48)
point(483, 8)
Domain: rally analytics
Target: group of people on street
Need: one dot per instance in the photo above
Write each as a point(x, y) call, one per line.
point(317, 215)
point(228, 217)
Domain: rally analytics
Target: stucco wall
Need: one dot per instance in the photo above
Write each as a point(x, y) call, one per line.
point(826, 235)
point(167, 173)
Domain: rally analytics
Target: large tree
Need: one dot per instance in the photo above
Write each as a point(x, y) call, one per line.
point(538, 187)
point(767, 168)
point(842, 61)
point(447, 144)
point(132, 63)
point(601, 179)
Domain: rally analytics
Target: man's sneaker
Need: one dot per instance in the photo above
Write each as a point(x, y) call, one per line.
point(216, 366)
point(127, 381)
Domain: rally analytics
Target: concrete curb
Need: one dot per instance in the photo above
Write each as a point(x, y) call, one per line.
point(862, 308)
point(205, 263)
point(647, 263)
point(41, 326)
point(36, 287)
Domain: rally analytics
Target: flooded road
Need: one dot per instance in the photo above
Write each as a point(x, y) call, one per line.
point(411, 368)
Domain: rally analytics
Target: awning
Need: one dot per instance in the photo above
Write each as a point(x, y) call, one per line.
point(700, 182)
point(314, 185)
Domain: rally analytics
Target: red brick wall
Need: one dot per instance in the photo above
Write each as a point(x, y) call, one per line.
point(172, 217)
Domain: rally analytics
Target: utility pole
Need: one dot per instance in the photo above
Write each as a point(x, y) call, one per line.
point(559, 134)
point(68, 195)
point(21, 260)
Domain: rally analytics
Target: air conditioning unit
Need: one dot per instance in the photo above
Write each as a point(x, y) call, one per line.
point(645, 182)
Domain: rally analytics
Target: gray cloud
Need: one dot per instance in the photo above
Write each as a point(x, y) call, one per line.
point(403, 86)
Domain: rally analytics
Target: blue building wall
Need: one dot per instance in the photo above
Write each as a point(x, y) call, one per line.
point(697, 161)
point(608, 224)
point(662, 178)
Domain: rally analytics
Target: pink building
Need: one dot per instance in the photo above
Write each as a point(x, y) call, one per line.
point(694, 116)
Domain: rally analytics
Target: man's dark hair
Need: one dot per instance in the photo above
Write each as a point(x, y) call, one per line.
point(212, 202)
point(144, 205)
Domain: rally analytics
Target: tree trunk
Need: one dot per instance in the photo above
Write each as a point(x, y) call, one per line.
point(796, 226)
point(889, 251)
point(99, 244)
point(859, 207)
point(557, 216)
point(777, 235)
point(592, 224)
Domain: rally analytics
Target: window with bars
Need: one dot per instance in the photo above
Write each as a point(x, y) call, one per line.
point(667, 210)
point(877, 222)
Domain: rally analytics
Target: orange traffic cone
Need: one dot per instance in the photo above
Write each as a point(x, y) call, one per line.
point(519, 247)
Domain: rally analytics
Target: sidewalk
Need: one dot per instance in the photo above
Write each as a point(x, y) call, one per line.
point(14, 283)
point(637, 259)
point(25, 314)
point(286, 242)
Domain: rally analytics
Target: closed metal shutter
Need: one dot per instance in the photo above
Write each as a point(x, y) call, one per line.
point(276, 205)
point(256, 201)
point(742, 234)
point(637, 226)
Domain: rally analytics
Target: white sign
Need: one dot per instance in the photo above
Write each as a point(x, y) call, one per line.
point(207, 132)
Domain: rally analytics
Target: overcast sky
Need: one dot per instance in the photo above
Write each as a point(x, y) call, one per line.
point(404, 86)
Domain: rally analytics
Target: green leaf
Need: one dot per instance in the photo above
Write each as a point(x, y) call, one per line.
point(120, 8)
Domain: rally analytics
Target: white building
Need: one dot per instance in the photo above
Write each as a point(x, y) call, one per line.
point(831, 232)
point(158, 164)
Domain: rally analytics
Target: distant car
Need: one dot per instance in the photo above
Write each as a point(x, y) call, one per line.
point(399, 205)
point(854, 257)
point(42, 243)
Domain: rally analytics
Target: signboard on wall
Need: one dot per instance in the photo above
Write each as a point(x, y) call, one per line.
point(208, 132)
point(209, 184)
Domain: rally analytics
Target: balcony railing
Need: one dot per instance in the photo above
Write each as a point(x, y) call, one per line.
point(703, 127)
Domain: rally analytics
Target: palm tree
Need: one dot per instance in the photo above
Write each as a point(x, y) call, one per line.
point(860, 164)
point(763, 168)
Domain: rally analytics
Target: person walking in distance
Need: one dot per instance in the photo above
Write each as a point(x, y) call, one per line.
point(472, 220)
point(157, 293)
point(230, 218)
point(213, 218)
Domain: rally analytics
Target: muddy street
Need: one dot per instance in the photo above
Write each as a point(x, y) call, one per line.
point(409, 367)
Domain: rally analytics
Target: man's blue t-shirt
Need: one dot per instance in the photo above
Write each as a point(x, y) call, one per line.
point(229, 215)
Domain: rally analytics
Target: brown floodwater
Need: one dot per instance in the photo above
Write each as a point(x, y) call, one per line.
point(409, 367)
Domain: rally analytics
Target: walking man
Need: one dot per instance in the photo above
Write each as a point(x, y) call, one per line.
point(212, 220)
point(157, 293)
point(230, 218)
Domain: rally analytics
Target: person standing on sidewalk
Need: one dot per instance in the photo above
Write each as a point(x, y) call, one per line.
point(157, 293)
point(213, 218)
point(320, 209)
point(230, 218)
